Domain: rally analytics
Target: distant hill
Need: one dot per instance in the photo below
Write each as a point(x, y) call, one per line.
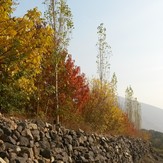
point(152, 117)
point(156, 138)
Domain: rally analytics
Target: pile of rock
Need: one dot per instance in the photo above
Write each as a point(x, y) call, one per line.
point(34, 141)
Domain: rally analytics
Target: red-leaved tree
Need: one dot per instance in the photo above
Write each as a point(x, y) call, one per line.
point(73, 87)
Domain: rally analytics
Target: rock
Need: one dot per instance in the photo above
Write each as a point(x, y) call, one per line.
point(24, 141)
point(45, 153)
point(11, 140)
point(13, 125)
point(44, 144)
point(1, 132)
point(28, 151)
point(18, 149)
point(24, 133)
point(70, 149)
point(12, 155)
point(9, 146)
point(36, 134)
point(4, 154)
point(31, 143)
point(7, 130)
point(36, 151)
point(48, 125)
point(42, 135)
point(16, 134)
point(40, 123)
point(90, 140)
point(32, 126)
point(47, 135)
point(67, 139)
point(2, 161)
point(6, 160)
point(34, 141)
point(58, 150)
point(21, 126)
point(2, 146)
point(20, 160)
point(59, 157)
point(29, 134)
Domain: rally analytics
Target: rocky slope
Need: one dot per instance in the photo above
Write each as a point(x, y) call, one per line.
point(34, 141)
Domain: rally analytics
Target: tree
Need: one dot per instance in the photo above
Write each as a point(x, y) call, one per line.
point(23, 44)
point(128, 103)
point(102, 111)
point(133, 108)
point(104, 52)
point(73, 90)
point(60, 18)
point(113, 84)
point(137, 114)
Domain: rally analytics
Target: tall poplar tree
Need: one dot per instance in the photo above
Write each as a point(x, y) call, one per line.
point(59, 16)
point(129, 102)
point(133, 108)
point(104, 52)
point(113, 84)
point(137, 114)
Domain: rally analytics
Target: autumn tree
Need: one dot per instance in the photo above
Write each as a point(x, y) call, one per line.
point(113, 85)
point(137, 114)
point(23, 43)
point(128, 102)
point(132, 108)
point(73, 89)
point(7, 49)
point(59, 16)
point(102, 111)
point(104, 52)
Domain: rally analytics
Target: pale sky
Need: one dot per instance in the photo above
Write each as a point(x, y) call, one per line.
point(135, 33)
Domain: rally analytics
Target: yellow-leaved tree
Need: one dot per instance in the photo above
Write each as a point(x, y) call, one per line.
point(24, 43)
point(102, 111)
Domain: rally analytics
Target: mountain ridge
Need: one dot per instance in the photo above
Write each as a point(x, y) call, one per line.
point(152, 116)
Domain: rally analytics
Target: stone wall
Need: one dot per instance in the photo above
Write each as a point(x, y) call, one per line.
point(34, 141)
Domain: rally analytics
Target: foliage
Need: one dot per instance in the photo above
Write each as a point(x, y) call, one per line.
point(104, 52)
point(128, 102)
point(23, 44)
point(73, 85)
point(39, 77)
point(73, 90)
point(59, 17)
point(102, 111)
point(133, 108)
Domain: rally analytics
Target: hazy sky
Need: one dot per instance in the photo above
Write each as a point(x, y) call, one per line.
point(135, 33)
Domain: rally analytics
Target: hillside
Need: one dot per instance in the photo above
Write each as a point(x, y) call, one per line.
point(156, 140)
point(152, 117)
